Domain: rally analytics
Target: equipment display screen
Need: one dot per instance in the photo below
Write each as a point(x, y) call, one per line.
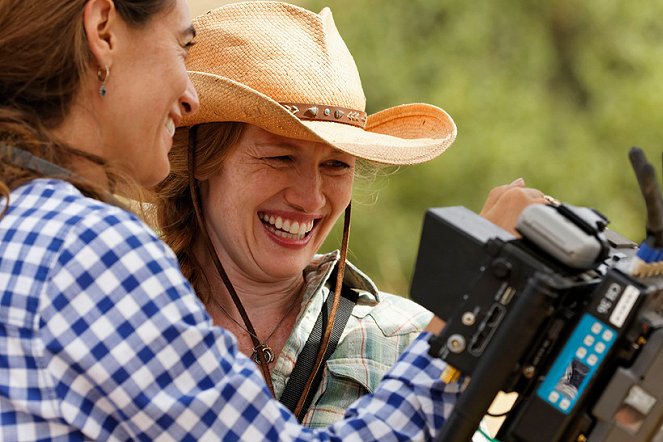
point(577, 363)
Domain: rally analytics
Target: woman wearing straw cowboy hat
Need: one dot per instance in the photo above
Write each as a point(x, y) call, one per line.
point(259, 177)
point(101, 336)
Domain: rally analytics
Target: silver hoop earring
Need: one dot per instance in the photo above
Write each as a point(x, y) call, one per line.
point(103, 76)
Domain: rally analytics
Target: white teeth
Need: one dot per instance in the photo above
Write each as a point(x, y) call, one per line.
point(170, 127)
point(287, 228)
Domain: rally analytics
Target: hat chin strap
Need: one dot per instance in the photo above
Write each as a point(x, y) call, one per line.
point(262, 362)
point(326, 337)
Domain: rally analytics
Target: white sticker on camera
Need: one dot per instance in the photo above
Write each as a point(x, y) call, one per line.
point(624, 306)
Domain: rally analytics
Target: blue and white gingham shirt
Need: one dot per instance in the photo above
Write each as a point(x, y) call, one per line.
point(102, 338)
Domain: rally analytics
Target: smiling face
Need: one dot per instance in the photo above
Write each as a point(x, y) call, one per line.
point(148, 93)
point(273, 203)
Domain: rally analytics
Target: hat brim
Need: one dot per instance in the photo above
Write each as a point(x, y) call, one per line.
point(405, 134)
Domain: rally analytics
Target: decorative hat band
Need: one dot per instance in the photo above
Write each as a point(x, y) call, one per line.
point(321, 112)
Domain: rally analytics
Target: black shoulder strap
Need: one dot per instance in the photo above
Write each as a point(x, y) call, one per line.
point(304, 365)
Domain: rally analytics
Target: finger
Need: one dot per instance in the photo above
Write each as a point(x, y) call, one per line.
point(520, 195)
point(496, 192)
point(494, 195)
point(519, 182)
point(532, 193)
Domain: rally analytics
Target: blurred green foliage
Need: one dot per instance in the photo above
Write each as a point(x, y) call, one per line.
point(555, 92)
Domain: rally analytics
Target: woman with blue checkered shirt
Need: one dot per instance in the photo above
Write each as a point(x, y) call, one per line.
point(101, 337)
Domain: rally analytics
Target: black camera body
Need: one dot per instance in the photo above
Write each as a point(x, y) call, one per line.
point(554, 316)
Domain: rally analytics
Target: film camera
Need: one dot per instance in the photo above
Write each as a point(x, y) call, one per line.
point(569, 317)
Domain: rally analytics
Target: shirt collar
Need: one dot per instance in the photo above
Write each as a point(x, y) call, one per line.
point(321, 267)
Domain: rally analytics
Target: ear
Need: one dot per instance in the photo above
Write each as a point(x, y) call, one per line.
point(100, 20)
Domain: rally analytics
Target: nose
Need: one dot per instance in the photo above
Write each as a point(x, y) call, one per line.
point(306, 190)
point(189, 103)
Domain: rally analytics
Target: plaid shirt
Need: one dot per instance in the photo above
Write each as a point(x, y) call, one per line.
point(101, 338)
point(379, 329)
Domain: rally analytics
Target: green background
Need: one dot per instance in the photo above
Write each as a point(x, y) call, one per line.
point(554, 91)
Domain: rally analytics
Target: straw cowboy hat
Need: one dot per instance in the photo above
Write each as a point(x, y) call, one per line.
point(288, 71)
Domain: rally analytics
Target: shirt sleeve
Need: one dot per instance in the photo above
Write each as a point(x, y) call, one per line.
point(132, 354)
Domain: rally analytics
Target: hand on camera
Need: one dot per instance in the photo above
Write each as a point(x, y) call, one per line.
point(505, 204)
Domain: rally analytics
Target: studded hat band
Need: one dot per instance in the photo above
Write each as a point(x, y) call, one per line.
point(321, 112)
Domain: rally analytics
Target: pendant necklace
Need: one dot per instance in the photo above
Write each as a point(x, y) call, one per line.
point(262, 346)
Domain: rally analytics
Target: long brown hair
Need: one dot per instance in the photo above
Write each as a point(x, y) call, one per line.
point(44, 56)
point(173, 210)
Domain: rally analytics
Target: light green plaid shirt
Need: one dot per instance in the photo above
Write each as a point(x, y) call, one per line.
point(379, 329)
